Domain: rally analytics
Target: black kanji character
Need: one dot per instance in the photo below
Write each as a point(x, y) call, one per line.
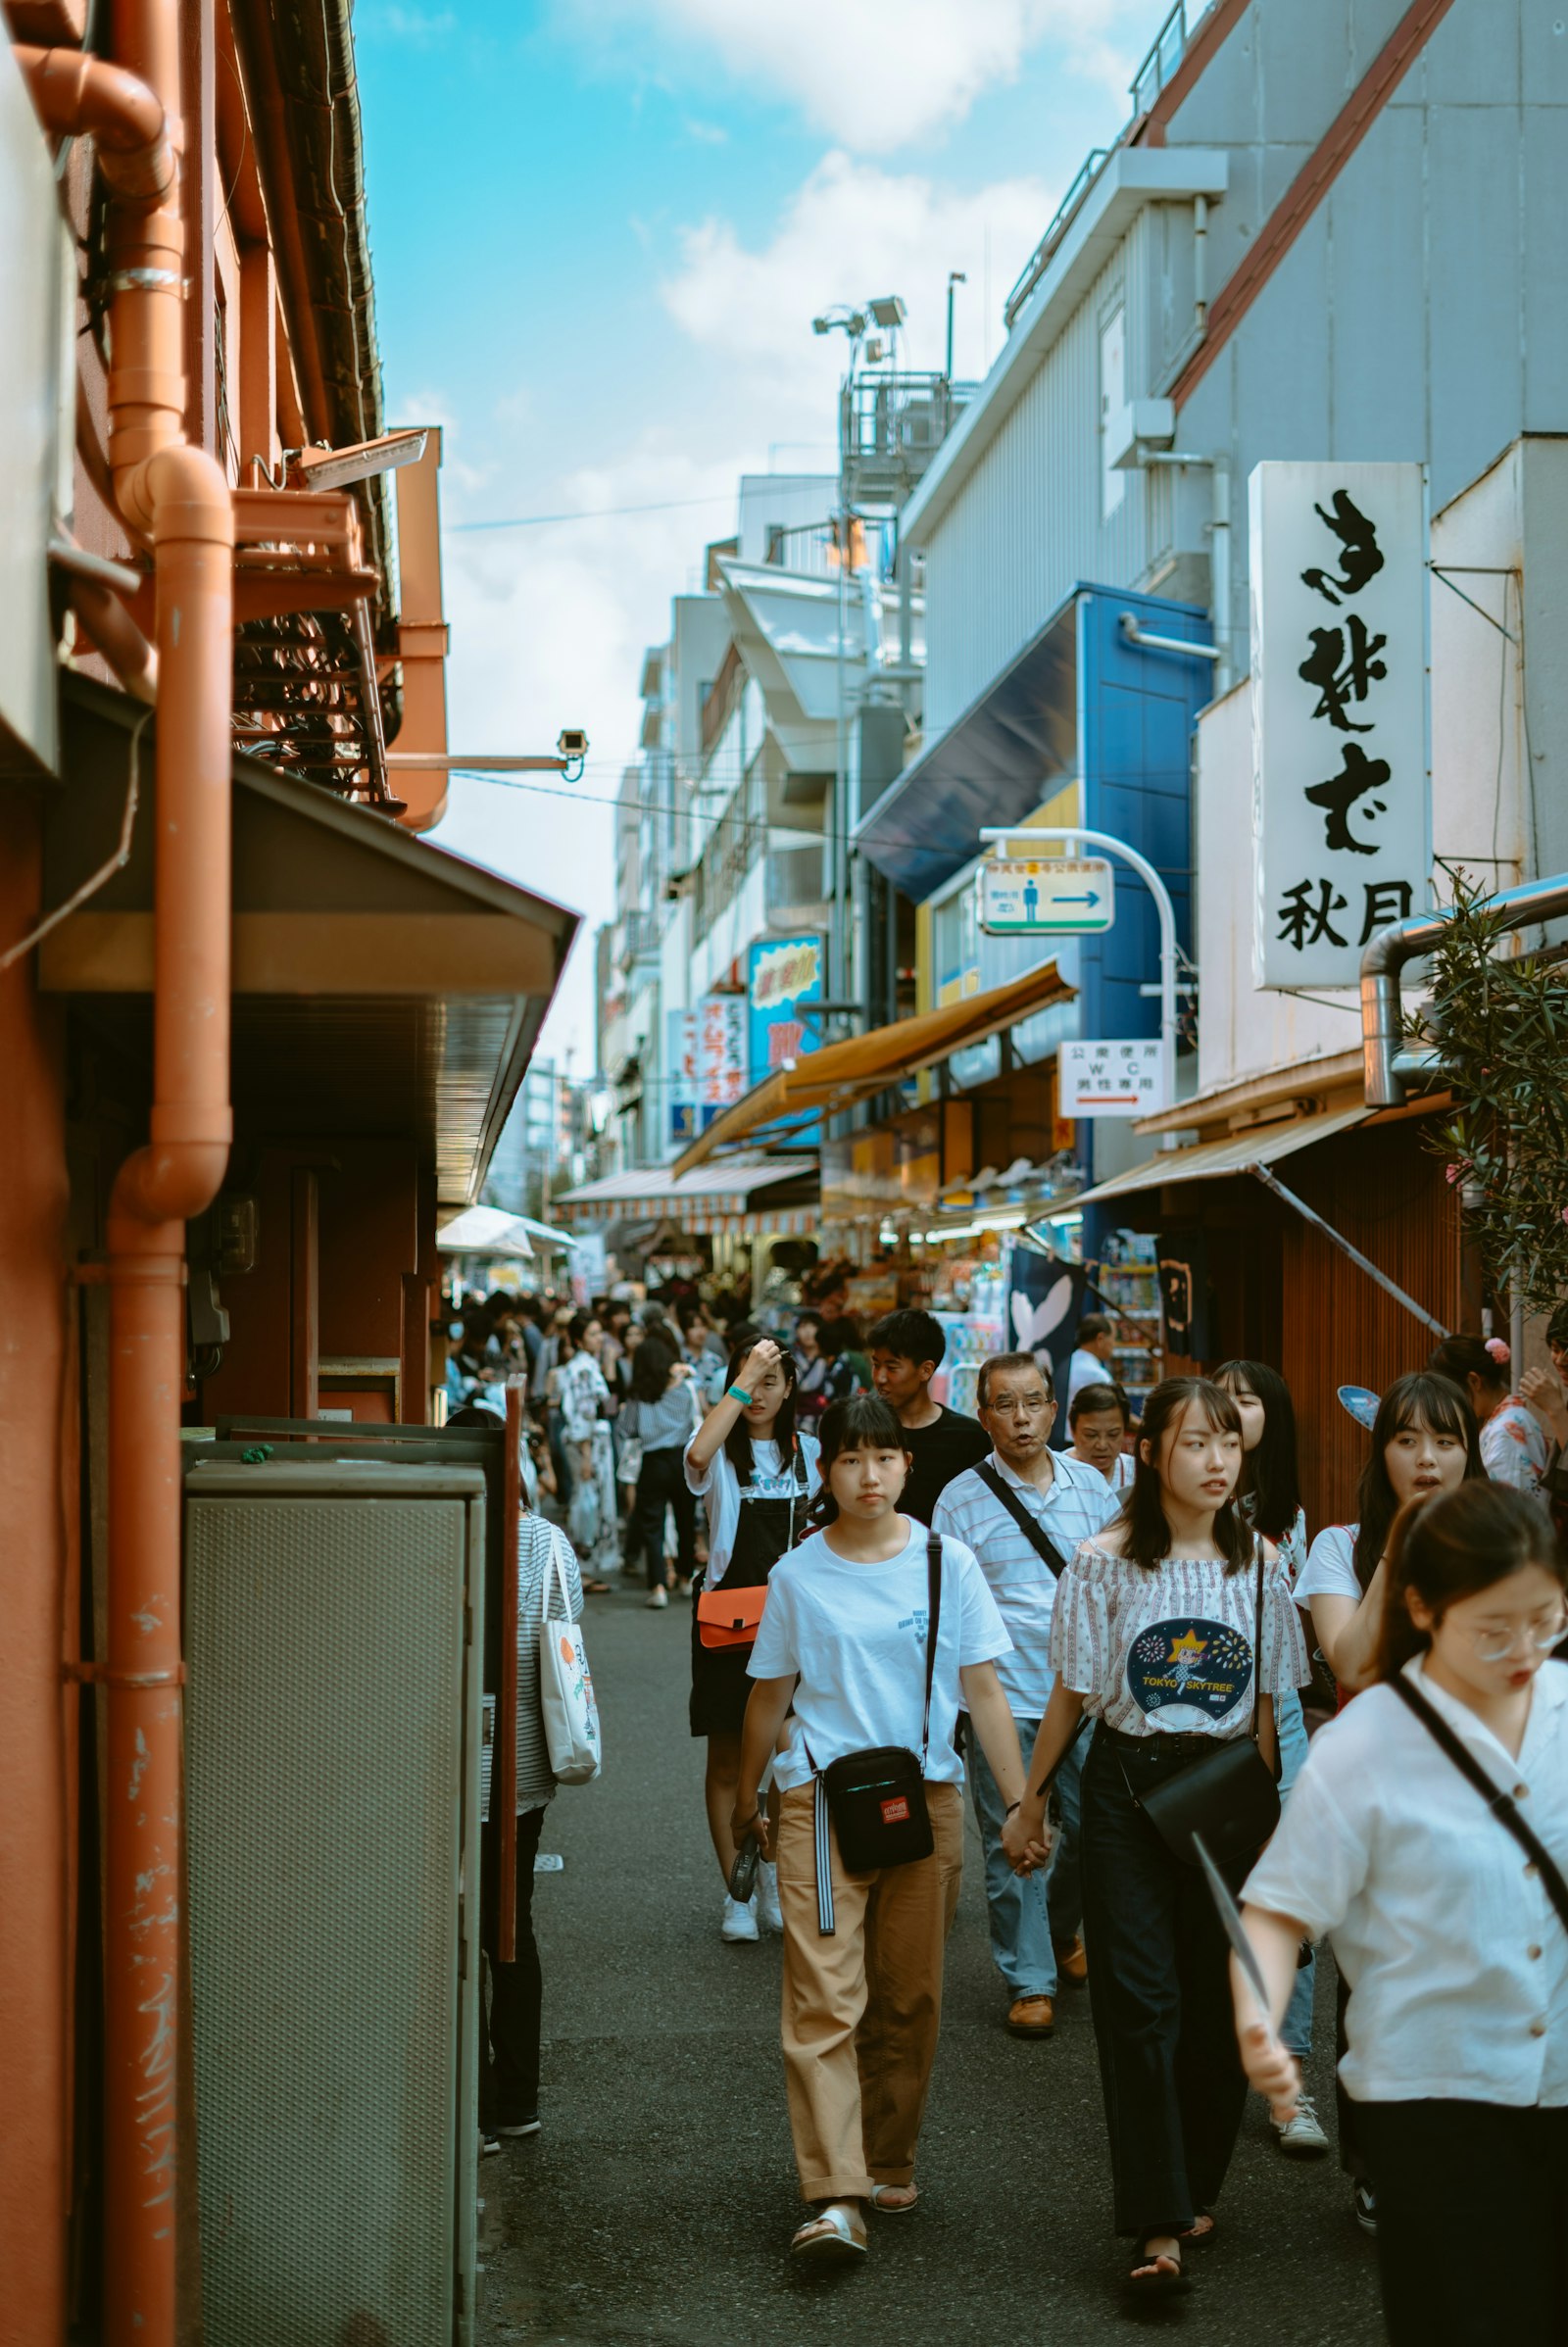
point(1357, 775)
point(1361, 558)
point(1385, 900)
point(1302, 925)
point(1342, 664)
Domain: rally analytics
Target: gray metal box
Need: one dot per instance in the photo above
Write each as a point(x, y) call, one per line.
point(332, 1759)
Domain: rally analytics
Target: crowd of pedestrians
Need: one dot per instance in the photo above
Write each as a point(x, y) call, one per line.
point(1116, 1634)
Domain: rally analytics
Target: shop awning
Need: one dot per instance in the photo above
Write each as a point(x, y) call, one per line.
point(485, 1231)
point(1209, 1160)
point(383, 987)
point(824, 1081)
point(728, 1197)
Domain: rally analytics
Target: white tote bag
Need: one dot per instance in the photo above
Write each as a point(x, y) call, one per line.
point(566, 1689)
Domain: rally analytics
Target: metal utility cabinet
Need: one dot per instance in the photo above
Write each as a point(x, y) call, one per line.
point(332, 1754)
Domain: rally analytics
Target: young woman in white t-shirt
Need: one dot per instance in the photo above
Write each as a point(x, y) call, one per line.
point(1155, 1635)
point(1423, 1441)
point(842, 1656)
point(1455, 1951)
point(754, 1472)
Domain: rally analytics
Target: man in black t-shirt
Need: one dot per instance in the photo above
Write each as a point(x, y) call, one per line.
point(906, 1350)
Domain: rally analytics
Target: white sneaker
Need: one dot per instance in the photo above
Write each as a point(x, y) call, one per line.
point(657, 1596)
point(769, 1914)
point(740, 1919)
point(1302, 2137)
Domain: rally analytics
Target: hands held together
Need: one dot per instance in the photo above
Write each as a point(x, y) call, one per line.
point(1026, 1838)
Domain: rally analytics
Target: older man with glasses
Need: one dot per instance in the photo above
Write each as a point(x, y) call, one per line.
point(1023, 1511)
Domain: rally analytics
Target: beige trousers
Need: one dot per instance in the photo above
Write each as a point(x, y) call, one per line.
point(863, 2007)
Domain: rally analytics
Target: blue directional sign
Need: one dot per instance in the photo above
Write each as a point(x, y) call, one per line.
point(1047, 896)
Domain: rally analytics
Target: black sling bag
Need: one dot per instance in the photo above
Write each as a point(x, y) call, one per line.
point(877, 1798)
point(1500, 1804)
point(1039, 1540)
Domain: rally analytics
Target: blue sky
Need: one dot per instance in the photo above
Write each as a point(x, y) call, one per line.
point(601, 229)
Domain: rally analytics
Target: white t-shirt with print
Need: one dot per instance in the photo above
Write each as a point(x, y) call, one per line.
point(723, 1493)
point(1330, 1567)
point(855, 1634)
point(1169, 1650)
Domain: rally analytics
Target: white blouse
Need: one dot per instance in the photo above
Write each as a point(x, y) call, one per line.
point(1456, 1959)
point(1169, 1650)
point(723, 1493)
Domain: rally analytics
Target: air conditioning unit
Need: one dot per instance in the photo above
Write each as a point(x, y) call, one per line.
point(334, 1734)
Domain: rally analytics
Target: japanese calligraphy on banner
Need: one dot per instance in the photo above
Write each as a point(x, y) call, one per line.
point(1111, 1079)
point(720, 1051)
point(681, 1053)
point(1340, 781)
point(781, 978)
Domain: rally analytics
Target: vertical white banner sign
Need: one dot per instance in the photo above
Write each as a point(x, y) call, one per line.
point(1340, 761)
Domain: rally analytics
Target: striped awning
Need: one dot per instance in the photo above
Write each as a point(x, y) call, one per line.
point(727, 1198)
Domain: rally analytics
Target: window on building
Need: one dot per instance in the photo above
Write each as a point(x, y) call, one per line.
point(1112, 397)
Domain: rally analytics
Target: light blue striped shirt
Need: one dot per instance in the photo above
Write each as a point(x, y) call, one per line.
point(1077, 1503)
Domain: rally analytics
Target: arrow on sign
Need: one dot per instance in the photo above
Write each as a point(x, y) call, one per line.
point(1093, 897)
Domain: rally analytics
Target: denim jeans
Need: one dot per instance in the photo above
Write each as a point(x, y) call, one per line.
point(1030, 1914)
point(1297, 2027)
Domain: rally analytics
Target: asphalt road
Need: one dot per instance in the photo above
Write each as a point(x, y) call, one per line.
point(656, 2207)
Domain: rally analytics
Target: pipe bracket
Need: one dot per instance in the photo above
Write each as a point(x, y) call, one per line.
point(104, 1674)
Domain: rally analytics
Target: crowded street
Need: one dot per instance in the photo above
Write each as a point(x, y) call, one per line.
point(783, 1219)
point(646, 2210)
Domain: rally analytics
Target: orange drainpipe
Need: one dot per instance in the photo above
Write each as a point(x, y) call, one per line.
point(177, 497)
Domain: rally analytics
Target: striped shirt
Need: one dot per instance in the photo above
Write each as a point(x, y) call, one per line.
point(1169, 1650)
point(1073, 1507)
point(540, 1547)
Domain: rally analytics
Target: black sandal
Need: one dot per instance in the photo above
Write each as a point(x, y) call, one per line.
point(1158, 2273)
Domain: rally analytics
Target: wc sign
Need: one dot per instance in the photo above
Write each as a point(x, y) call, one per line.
point(1047, 896)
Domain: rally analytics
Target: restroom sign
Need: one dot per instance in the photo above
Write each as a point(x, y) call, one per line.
point(1112, 1078)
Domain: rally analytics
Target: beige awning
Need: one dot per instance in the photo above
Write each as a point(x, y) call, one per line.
point(842, 1073)
point(741, 1193)
point(1209, 1160)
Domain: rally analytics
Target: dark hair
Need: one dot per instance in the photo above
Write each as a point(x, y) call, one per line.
point(743, 1335)
point(811, 1319)
point(1090, 1401)
point(913, 1336)
point(651, 1365)
point(997, 1364)
point(1454, 1546)
point(738, 1442)
point(1420, 1399)
point(1459, 1359)
point(859, 1421)
point(1141, 1521)
point(835, 1338)
point(471, 1414)
point(1557, 1326)
point(1093, 1325)
point(1271, 1482)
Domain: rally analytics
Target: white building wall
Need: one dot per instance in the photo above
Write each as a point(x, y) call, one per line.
point(1502, 544)
point(1029, 522)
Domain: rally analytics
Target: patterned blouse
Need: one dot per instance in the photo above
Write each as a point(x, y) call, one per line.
point(1513, 1446)
point(1169, 1651)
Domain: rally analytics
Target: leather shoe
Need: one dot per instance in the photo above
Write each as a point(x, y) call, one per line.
point(1071, 1962)
point(1031, 2017)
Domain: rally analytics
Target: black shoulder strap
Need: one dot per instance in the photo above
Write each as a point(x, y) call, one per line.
point(933, 1619)
point(1039, 1540)
point(1257, 1642)
point(1500, 1804)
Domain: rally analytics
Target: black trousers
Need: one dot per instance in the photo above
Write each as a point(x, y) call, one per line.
point(1159, 1988)
point(1472, 2222)
point(509, 2087)
point(661, 1484)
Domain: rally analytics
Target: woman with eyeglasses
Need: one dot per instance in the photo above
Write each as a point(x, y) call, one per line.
point(1449, 1924)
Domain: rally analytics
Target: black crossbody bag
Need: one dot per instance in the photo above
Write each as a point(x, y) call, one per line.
point(877, 1798)
point(1039, 1540)
point(1500, 1804)
point(1228, 1796)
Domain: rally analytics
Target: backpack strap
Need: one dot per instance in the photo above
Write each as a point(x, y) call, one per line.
point(1500, 1803)
point(933, 1619)
point(1039, 1540)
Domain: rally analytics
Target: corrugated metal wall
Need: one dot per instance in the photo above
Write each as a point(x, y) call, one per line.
point(1384, 1191)
point(1028, 525)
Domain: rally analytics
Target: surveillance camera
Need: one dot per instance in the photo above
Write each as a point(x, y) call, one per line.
point(572, 741)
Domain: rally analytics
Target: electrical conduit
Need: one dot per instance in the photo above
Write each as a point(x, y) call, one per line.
point(176, 497)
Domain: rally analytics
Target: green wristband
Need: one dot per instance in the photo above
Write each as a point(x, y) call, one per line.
point(738, 1393)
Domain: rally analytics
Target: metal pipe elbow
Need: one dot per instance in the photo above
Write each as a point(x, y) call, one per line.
point(168, 1181)
point(76, 94)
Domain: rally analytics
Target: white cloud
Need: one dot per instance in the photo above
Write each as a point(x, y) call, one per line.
point(852, 231)
point(876, 74)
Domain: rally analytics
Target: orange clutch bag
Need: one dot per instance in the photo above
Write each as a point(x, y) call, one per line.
point(730, 1617)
